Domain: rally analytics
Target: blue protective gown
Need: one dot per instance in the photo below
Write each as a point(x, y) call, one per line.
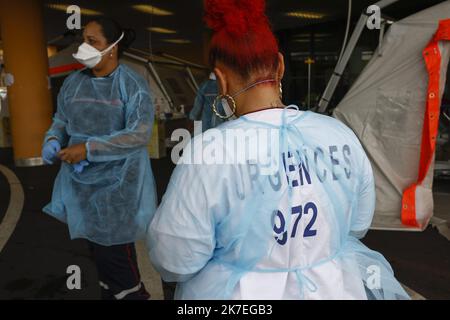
point(112, 201)
point(287, 228)
point(202, 110)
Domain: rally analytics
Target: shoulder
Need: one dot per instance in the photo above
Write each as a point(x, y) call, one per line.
point(75, 77)
point(133, 80)
point(211, 85)
point(328, 120)
point(72, 81)
point(351, 139)
point(332, 126)
point(328, 130)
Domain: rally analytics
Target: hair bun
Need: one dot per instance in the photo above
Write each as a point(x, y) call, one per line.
point(129, 36)
point(235, 16)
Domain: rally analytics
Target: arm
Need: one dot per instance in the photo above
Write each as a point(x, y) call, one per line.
point(181, 237)
point(196, 112)
point(362, 219)
point(136, 135)
point(58, 128)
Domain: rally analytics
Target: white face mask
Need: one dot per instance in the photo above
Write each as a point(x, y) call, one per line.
point(90, 56)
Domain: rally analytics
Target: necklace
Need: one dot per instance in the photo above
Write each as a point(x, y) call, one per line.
point(263, 109)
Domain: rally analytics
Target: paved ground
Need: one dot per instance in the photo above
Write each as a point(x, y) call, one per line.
point(420, 260)
point(33, 263)
point(4, 194)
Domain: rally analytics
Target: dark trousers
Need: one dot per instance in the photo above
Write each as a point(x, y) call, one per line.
point(169, 289)
point(118, 272)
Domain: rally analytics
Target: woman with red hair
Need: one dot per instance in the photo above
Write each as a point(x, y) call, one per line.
point(271, 204)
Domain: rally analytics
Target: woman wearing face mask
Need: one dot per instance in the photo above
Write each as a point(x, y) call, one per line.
point(105, 189)
point(280, 218)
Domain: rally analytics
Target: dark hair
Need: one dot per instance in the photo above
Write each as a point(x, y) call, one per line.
point(112, 31)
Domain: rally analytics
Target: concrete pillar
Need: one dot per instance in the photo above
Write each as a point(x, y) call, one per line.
point(29, 97)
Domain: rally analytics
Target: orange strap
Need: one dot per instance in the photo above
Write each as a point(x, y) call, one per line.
point(65, 68)
point(433, 61)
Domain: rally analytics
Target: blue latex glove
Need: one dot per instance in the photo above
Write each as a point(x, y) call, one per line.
point(50, 151)
point(79, 167)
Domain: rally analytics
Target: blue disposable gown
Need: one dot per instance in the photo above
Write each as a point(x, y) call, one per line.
point(202, 110)
point(254, 230)
point(112, 201)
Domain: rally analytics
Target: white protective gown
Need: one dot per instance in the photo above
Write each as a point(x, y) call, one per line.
point(249, 230)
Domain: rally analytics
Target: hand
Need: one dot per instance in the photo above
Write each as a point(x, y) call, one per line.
point(50, 151)
point(79, 167)
point(74, 154)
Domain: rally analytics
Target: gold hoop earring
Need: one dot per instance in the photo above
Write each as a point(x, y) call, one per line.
point(229, 99)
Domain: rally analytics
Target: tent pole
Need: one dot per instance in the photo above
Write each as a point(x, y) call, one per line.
point(154, 73)
point(160, 83)
point(191, 77)
point(342, 64)
point(182, 61)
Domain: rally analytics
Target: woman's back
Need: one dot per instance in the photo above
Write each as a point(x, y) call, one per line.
point(267, 206)
point(275, 223)
point(322, 174)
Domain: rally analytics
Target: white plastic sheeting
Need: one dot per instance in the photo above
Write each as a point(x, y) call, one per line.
point(386, 109)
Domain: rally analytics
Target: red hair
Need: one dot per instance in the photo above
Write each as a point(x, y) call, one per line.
point(243, 39)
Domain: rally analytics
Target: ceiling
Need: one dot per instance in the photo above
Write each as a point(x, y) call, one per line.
point(186, 19)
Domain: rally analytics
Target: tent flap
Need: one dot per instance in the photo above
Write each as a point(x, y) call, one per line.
point(393, 108)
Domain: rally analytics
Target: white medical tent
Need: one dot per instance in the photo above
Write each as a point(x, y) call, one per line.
point(393, 108)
